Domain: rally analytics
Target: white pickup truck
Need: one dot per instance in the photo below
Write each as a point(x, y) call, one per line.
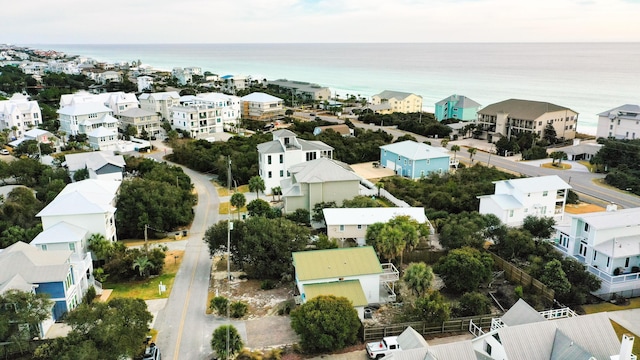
point(380, 349)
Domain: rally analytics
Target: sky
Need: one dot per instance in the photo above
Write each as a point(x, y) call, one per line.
point(317, 21)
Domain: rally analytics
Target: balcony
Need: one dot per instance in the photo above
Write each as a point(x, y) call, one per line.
point(390, 273)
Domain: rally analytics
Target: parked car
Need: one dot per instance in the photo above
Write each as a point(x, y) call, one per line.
point(380, 349)
point(4, 152)
point(152, 353)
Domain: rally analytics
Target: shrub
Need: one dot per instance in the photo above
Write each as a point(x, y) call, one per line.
point(90, 295)
point(219, 304)
point(474, 303)
point(239, 309)
point(518, 291)
point(267, 285)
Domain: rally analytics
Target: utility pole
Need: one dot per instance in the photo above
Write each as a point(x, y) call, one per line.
point(229, 226)
point(146, 247)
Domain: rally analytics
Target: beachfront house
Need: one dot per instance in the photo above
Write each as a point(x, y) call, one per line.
point(350, 224)
point(355, 273)
point(608, 244)
point(457, 107)
point(19, 114)
point(317, 181)
point(261, 106)
point(284, 151)
point(622, 122)
point(160, 103)
point(144, 121)
point(415, 160)
point(101, 165)
point(398, 101)
point(515, 199)
point(514, 116)
point(303, 90)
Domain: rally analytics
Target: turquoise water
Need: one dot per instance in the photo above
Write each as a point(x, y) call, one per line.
point(589, 78)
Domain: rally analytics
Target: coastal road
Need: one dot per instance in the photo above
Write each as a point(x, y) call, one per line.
point(584, 183)
point(184, 330)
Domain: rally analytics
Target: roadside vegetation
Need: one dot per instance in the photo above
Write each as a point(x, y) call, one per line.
point(619, 159)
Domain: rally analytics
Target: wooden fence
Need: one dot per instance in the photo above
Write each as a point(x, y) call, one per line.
point(450, 326)
point(517, 275)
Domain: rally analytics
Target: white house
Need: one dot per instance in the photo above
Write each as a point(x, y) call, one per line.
point(284, 151)
point(160, 102)
point(622, 122)
point(352, 223)
point(261, 106)
point(20, 112)
point(144, 82)
point(118, 101)
point(92, 210)
point(103, 138)
point(84, 117)
point(515, 199)
point(206, 113)
point(102, 165)
point(608, 244)
point(355, 273)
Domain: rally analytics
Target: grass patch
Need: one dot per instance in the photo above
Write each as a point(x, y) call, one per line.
point(607, 306)
point(620, 330)
point(140, 242)
point(556, 166)
point(148, 289)
point(224, 209)
point(588, 165)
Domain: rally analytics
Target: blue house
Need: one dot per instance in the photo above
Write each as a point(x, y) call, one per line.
point(414, 160)
point(456, 107)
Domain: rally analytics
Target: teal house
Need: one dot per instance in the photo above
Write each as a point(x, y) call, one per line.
point(456, 107)
point(414, 160)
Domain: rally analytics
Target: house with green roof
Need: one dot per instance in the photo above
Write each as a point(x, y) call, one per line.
point(354, 273)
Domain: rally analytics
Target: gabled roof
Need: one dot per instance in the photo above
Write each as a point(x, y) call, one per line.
point(34, 133)
point(627, 111)
point(368, 216)
point(390, 94)
point(313, 145)
point(84, 109)
point(335, 263)
point(62, 232)
point(102, 131)
point(32, 264)
point(270, 147)
point(415, 150)
point(74, 203)
point(322, 170)
point(17, 282)
point(411, 339)
point(522, 109)
point(521, 313)
point(504, 201)
point(459, 101)
point(565, 349)
point(282, 133)
point(137, 112)
point(536, 184)
point(93, 160)
point(160, 95)
point(350, 289)
point(260, 98)
point(93, 186)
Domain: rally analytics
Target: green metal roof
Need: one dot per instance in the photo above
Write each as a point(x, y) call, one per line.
point(351, 289)
point(336, 263)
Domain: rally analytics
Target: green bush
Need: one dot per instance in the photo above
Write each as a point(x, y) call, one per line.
point(267, 285)
point(219, 304)
point(518, 291)
point(239, 309)
point(90, 295)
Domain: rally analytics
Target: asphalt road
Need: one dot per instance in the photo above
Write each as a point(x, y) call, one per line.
point(582, 182)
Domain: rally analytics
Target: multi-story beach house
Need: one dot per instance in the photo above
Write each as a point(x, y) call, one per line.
point(142, 120)
point(515, 199)
point(206, 114)
point(398, 101)
point(19, 114)
point(306, 91)
point(318, 181)
point(160, 102)
point(103, 138)
point(284, 151)
point(233, 83)
point(415, 160)
point(351, 223)
point(457, 107)
point(261, 106)
point(608, 244)
point(622, 122)
point(228, 107)
point(117, 101)
point(144, 82)
point(514, 116)
point(85, 117)
point(101, 165)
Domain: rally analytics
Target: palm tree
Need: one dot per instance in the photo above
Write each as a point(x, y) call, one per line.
point(256, 184)
point(455, 149)
point(15, 131)
point(238, 201)
point(418, 277)
point(278, 191)
point(472, 151)
point(379, 185)
point(444, 143)
point(143, 264)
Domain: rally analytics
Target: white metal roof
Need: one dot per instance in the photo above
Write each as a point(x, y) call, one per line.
point(415, 150)
point(368, 216)
point(321, 170)
point(612, 219)
point(62, 232)
point(537, 184)
point(260, 98)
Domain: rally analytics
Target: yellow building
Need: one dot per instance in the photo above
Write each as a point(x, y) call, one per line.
point(397, 101)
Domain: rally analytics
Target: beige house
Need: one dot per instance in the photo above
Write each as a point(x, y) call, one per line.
point(141, 119)
point(307, 91)
point(160, 102)
point(397, 101)
point(514, 116)
point(316, 181)
point(261, 106)
point(352, 223)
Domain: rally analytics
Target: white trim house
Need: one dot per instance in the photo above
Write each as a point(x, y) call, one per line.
point(515, 199)
point(622, 122)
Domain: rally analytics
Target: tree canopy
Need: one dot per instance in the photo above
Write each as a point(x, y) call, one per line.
point(219, 341)
point(326, 323)
point(464, 269)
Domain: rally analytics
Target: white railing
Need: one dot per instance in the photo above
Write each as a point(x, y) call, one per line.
point(390, 273)
point(475, 329)
point(558, 313)
point(496, 323)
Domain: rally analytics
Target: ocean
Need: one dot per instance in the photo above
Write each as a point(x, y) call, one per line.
point(588, 78)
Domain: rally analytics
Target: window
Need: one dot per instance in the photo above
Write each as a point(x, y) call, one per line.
point(626, 262)
point(488, 349)
point(269, 174)
point(545, 193)
point(405, 161)
point(359, 227)
point(341, 228)
point(595, 254)
point(586, 227)
point(269, 159)
point(281, 173)
point(281, 158)
point(44, 247)
point(510, 213)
